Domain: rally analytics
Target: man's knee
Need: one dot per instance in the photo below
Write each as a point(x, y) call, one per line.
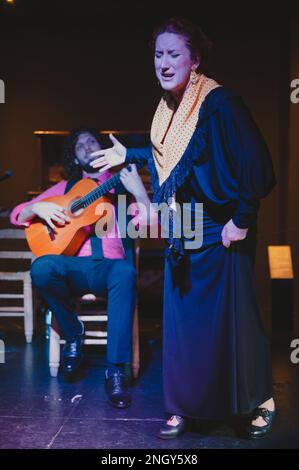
point(129, 273)
point(42, 271)
point(124, 273)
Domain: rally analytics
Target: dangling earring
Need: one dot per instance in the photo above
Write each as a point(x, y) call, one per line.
point(194, 76)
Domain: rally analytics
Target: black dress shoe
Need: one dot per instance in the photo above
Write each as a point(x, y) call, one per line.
point(72, 356)
point(116, 385)
point(256, 432)
point(171, 432)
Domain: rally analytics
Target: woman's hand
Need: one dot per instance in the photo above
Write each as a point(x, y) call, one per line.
point(49, 212)
point(132, 181)
point(232, 233)
point(113, 156)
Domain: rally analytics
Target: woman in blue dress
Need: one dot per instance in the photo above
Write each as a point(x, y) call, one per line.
point(206, 147)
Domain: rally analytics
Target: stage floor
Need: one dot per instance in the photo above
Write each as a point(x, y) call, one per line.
point(40, 412)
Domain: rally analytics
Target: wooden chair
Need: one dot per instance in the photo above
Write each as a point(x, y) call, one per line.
point(92, 336)
point(25, 310)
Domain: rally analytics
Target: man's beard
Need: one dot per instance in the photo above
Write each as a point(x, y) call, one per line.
point(89, 169)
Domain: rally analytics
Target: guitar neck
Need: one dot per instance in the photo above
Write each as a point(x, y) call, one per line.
point(96, 193)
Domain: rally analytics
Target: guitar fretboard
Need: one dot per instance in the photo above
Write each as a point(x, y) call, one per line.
point(95, 194)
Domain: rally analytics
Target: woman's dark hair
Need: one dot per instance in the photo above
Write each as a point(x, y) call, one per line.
point(196, 40)
point(72, 169)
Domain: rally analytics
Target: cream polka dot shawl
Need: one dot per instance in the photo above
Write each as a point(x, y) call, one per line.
point(172, 129)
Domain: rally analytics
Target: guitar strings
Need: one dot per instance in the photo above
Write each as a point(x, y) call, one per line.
point(86, 200)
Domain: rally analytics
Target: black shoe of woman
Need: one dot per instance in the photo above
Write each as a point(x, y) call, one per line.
point(169, 431)
point(256, 432)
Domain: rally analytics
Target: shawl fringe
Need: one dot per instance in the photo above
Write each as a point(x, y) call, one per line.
point(195, 154)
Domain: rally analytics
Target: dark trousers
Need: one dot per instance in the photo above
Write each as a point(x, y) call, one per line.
point(60, 278)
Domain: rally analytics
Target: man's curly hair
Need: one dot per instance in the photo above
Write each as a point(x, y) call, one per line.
point(72, 169)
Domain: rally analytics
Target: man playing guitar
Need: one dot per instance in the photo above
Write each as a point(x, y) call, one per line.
point(100, 264)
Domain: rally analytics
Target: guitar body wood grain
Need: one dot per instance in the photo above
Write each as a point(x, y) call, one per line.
point(67, 239)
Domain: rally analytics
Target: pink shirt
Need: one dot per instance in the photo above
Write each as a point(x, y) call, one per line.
point(111, 243)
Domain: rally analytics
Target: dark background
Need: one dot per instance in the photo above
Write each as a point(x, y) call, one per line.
point(66, 63)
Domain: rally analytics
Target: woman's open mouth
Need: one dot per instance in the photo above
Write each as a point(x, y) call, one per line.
point(167, 77)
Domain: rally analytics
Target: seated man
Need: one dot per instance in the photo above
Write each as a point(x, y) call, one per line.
point(100, 264)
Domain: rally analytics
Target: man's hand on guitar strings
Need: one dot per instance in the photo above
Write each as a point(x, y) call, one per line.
point(50, 212)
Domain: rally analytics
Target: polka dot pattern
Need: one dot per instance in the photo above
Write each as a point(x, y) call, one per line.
point(172, 129)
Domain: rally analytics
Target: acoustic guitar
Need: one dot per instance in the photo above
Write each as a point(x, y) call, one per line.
point(85, 204)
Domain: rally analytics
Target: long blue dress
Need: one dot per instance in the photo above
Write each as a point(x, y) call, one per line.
point(216, 356)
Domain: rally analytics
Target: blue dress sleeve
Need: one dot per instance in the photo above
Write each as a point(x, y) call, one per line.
point(249, 157)
point(139, 156)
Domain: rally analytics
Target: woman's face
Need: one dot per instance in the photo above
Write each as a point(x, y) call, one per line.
point(173, 62)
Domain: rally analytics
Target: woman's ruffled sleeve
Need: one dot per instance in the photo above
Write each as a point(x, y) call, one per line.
point(249, 157)
point(139, 156)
